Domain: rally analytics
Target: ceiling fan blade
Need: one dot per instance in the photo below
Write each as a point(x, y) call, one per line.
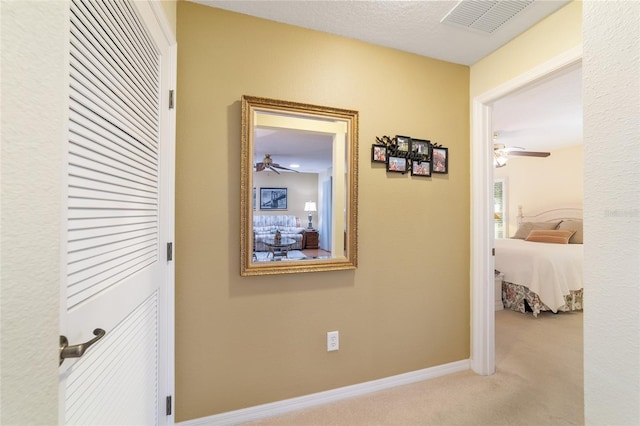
point(284, 168)
point(529, 153)
point(272, 168)
point(512, 148)
point(259, 167)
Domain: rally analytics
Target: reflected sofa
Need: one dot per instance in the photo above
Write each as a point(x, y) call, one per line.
point(265, 226)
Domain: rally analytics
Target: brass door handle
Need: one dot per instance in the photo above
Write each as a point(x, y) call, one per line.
point(76, 351)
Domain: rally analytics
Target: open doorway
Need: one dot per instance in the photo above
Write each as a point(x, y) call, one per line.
point(482, 214)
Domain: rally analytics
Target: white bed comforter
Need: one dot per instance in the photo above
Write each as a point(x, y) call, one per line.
point(549, 270)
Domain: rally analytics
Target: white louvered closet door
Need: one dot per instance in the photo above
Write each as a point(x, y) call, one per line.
point(118, 277)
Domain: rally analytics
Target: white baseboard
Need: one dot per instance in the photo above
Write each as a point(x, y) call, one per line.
point(288, 405)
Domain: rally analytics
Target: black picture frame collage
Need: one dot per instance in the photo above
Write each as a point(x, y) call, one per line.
point(403, 154)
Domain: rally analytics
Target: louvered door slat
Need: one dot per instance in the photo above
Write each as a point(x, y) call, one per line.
point(85, 45)
point(96, 202)
point(80, 225)
point(80, 185)
point(103, 106)
point(132, 45)
point(135, 263)
point(112, 149)
point(110, 196)
point(79, 214)
point(89, 175)
point(95, 257)
point(80, 157)
point(113, 247)
point(109, 222)
point(89, 75)
point(106, 79)
point(89, 124)
point(137, 44)
point(90, 28)
point(85, 81)
point(90, 265)
point(113, 240)
point(106, 99)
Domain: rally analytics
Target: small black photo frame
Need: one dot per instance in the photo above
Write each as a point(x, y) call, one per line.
point(421, 146)
point(421, 169)
point(440, 158)
point(379, 153)
point(403, 142)
point(397, 164)
point(273, 198)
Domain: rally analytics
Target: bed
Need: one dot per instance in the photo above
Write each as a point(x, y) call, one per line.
point(542, 263)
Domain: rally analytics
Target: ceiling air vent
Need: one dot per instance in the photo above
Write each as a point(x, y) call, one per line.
point(484, 16)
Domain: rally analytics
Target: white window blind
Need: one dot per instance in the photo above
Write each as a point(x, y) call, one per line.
point(500, 209)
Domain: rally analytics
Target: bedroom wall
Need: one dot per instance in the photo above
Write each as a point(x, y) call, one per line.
point(539, 184)
point(246, 341)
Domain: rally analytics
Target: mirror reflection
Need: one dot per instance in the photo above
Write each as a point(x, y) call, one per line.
point(299, 186)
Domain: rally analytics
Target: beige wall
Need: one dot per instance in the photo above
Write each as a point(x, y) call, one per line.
point(247, 341)
point(539, 184)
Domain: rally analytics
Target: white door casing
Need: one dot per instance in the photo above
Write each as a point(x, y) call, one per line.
point(482, 237)
point(119, 215)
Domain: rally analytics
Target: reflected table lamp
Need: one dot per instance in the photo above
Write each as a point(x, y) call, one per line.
point(310, 206)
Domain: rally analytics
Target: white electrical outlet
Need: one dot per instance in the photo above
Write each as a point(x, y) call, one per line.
point(333, 341)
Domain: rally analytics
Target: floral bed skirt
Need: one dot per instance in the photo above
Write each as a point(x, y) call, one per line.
point(514, 297)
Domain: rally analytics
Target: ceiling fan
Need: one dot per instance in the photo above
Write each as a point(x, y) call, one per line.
point(268, 164)
point(501, 152)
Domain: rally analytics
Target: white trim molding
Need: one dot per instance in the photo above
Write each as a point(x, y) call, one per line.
point(482, 238)
point(288, 405)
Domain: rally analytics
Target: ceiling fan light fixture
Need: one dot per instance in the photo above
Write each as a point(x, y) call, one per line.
point(499, 160)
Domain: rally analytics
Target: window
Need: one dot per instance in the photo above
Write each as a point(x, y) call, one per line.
point(500, 215)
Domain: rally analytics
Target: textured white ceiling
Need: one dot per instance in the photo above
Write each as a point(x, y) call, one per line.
point(544, 117)
point(412, 26)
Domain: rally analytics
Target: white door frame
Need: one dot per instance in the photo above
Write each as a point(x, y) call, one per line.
point(166, 313)
point(482, 277)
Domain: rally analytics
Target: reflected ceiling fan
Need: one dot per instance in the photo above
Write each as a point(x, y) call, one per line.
point(268, 164)
point(501, 152)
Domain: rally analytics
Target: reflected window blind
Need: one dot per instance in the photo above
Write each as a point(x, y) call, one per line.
point(113, 148)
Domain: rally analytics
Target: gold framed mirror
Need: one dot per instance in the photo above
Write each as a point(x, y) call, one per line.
point(298, 186)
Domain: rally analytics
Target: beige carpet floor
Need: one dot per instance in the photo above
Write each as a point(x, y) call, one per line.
point(538, 381)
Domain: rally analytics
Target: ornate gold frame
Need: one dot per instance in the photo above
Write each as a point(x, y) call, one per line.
point(252, 105)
